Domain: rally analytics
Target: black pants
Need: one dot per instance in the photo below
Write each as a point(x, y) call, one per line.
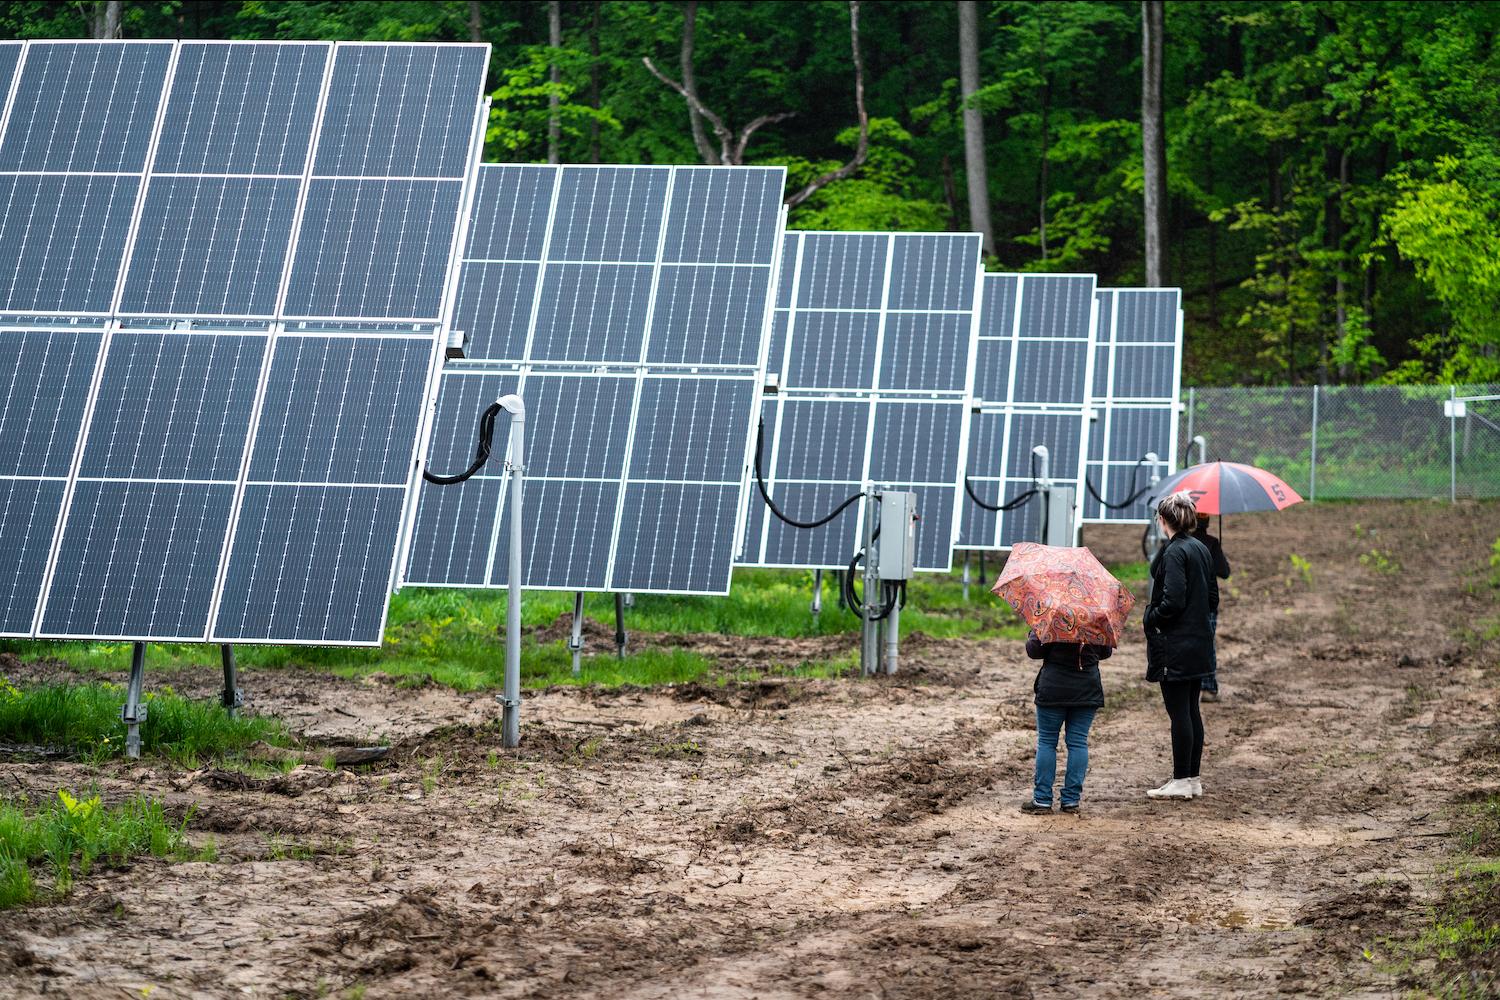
point(1181, 699)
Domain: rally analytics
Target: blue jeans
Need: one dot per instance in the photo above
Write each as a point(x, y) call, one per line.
point(1211, 682)
point(1049, 724)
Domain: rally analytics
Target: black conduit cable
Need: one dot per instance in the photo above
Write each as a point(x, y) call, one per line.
point(760, 481)
point(1011, 504)
point(481, 453)
point(1128, 501)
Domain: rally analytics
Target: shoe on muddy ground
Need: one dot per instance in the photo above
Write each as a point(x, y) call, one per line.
point(1177, 788)
point(1071, 810)
point(1197, 784)
point(1035, 808)
point(1209, 696)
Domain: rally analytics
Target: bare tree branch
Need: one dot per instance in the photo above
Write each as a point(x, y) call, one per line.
point(726, 138)
point(749, 130)
point(690, 84)
point(862, 147)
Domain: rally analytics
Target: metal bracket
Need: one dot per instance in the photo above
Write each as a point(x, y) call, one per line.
point(508, 702)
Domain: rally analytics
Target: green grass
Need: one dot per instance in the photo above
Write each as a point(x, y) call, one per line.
point(67, 837)
point(84, 719)
point(450, 637)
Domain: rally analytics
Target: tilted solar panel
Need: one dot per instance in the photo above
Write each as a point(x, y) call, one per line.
point(1137, 378)
point(1033, 373)
point(231, 343)
point(873, 346)
point(628, 306)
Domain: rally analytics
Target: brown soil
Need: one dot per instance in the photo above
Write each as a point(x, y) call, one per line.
point(841, 839)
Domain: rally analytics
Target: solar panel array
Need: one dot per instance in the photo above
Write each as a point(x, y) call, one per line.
point(1033, 376)
point(1137, 377)
point(227, 265)
point(873, 345)
point(629, 306)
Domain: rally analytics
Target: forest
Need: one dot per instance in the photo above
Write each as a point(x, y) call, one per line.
point(1331, 200)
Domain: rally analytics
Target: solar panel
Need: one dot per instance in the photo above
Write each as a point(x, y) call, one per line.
point(1137, 378)
point(873, 345)
point(1033, 375)
point(628, 306)
point(225, 305)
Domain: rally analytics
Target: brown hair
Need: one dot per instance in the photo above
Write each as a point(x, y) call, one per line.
point(1179, 511)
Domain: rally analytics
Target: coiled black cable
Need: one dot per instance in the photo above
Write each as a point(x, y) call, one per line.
point(1128, 501)
point(481, 453)
point(760, 482)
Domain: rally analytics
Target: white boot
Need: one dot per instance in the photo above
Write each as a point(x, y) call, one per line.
point(1177, 788)
point(1197, 784)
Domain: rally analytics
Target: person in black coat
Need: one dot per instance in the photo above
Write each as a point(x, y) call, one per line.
point(1221, 570)
point(1068, 693)
point(1180, 638)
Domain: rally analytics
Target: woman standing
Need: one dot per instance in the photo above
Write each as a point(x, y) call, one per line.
point(1179, 638)
point(1068, 694)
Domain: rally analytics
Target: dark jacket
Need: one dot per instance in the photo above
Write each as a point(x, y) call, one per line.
point(1069, 676)
point(1179, 639)
point(1215, 552)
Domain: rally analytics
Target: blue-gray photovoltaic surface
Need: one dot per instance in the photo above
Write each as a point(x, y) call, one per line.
point(1032, 387)
point(872, 344)
point(167, 449)
point(627, 306)
point(1137, 374)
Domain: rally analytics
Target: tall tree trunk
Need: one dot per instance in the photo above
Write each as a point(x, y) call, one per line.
point(476, 21)
point(690, 83)
point(974, 166)
point(1043, 183)
point(1213, 234)
point(1153, 139)
point(104, 19)
point(1336, 240)
point(554, 99)
point(950, 191)
point(595, 153)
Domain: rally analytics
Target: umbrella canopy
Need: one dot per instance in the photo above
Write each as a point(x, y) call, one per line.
point(1064, 594)
point(1229, 488)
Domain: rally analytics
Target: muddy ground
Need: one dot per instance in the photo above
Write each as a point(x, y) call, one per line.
point(841, 839)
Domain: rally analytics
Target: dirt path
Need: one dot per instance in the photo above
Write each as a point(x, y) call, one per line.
point(840, 839)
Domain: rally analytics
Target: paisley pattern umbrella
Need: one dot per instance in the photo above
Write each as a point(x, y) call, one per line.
point(1228, 488)
point(1064, 594)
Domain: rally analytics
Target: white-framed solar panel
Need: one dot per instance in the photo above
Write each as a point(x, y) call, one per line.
point(873, 352)
point(1137, 380)
point(629, 307)
point(1033, 375)
point(223, 269)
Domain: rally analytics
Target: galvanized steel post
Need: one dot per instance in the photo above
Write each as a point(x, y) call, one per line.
point(516, 466)
point(1312, 470)
point(1453, 444)
point(869, 650)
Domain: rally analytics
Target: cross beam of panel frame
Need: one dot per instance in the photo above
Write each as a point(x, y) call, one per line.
point(629, 307)
point(873, 348)
point(241, 346)
point(1032, 383)
point(1137, 380)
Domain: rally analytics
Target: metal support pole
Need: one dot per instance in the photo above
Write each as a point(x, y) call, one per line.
point(1453, 444)
point(817, 597)
point(838, 579)
point(893, 637)
point(575, 638)
point(133, 712)
point(516, 466)
point(233, 698)
point(629, 599)
point(968, 576)
point(620, 626)
point(983, 576)
point(1312, 471)
point(869, 651)
point(1192, 405)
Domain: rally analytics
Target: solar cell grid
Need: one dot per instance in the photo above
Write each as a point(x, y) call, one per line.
point(628, 306)
point(156, 191)
point(873, 348)
point(1034, 373)
point(1138, 372)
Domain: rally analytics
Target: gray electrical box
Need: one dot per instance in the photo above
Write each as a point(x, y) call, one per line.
point(1061, 529)
point(896, 549)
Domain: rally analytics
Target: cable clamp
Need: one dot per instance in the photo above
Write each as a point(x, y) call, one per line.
point(508, 702)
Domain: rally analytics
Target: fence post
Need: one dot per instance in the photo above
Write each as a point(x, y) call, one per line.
point(1453, 444)
point(1192, 403)
point(1312, 470)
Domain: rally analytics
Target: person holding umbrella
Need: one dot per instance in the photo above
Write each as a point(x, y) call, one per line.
point(1179, 638)
point(1076, 611)
point(1221, 570)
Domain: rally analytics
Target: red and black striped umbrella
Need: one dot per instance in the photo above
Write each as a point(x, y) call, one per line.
point(1229, 488)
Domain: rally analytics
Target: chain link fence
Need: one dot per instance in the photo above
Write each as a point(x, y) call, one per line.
point(1355, 442)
